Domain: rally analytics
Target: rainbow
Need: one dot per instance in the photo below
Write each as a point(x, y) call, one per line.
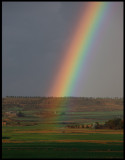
point(81, 41)
point(82, 37)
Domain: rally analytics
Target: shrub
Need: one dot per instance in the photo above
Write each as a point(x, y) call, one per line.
point(116, 123)
point(20, 114)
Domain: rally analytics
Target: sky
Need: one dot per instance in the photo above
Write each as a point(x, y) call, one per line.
point(34, 35)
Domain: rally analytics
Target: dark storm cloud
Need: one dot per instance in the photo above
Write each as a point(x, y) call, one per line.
point(33, 36)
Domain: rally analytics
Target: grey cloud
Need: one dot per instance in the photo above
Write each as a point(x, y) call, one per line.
point(33, 37)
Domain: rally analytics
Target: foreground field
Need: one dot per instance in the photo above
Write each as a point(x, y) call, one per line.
point(26, 142)
point(40, 127)
point(62, 150)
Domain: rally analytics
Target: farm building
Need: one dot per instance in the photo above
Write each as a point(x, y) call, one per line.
point(4, 123)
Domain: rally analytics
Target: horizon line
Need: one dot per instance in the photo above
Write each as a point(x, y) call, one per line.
point(56, 97)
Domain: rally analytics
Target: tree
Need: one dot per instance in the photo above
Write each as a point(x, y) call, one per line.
point(97, 125)
point(82, 125)
point(116, 123)
point(20, 114)
point(87, 126)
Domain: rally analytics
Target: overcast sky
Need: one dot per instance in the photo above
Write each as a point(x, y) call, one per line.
point(33, 37)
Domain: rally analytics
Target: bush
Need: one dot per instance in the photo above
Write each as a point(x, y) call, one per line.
point(20, 114)
point(116, 123)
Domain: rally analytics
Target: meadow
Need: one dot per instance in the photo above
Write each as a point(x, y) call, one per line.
point(34, 142)
point(62, 150)
point(30, 142)
point(42, 133)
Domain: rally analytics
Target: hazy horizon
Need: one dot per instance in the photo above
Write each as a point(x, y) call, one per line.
point(59, 97)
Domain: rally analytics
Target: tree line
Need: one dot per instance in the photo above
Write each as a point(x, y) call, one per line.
point(116, 123)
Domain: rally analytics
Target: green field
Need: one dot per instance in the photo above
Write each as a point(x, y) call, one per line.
point(55, 136)
point(62, 150)
point(78, 117)
point(49, 144)
point(42, 131)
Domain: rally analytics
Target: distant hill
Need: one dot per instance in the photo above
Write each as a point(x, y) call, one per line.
point(61, 110)
point(56, 103)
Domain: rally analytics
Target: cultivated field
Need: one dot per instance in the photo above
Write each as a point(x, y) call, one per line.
point(43, 133)
point(24, 142)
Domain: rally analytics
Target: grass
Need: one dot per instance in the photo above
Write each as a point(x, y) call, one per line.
point(62, 150)
point(41, 136)
point(46, 149)
point(56, 132)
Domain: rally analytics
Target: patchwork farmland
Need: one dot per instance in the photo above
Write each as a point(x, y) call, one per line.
point(48, 127)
